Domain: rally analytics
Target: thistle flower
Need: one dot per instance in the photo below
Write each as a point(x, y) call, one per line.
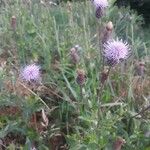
point(116, 51)
point(100, 6)
point(31, 73)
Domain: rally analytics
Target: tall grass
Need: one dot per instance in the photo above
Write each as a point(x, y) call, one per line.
point(44, 35)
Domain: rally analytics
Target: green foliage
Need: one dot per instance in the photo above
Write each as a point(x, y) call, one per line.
point(45, 34)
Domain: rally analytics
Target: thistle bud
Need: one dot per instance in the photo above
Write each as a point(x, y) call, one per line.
point(81, 77)
point(74, 56)
point(13, 22)
point(109, 26)
point(119, 143)
point(69, 7)
point(104, 75)
point(141, 68)
point(107, 32)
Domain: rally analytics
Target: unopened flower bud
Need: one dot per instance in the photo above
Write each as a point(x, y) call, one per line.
point(107, 32)
point(81, 77)
point(13, 22)
point(69, 7)
point(140, 68)
point(119, 143)
point(74, 56)
point(104, 75)
point(109, 26)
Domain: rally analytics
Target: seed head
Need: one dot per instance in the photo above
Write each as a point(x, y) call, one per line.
point(116, 51)
point(31, 73)
point(100, 6)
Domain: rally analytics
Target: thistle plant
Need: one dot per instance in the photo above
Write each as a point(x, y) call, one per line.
point(115, 51)
point(81, 79)
point(112, 52)
point(84, 118)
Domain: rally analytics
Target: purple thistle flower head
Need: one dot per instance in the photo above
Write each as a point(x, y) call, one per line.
point(116, 51)
point(100, 6)
point(31, 73)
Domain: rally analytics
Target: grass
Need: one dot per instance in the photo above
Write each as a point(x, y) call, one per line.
point(54, 114)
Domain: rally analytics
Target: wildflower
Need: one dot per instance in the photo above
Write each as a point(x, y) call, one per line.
point(100, 6)
point(31, 73)
point(81, 77)
point(116, 51)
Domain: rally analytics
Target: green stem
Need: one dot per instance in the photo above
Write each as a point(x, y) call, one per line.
point(99, 114)
point(82, 99)
point(38, 97)
point(142, 111)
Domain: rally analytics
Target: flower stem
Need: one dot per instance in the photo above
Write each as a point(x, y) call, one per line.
point(82, 99)
point(142, 111)
point(99, 115)
point(38, 97)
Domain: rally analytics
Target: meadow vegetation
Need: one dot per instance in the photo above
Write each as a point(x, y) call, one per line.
point(60, 112)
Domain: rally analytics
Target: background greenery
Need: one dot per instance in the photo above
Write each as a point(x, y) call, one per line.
point(44, 35)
